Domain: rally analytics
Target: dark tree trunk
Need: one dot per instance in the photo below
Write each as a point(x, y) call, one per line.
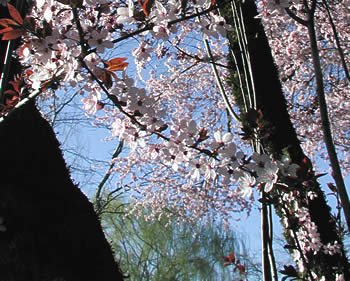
point(279, 138)
point(49, 229)
point(52, 230)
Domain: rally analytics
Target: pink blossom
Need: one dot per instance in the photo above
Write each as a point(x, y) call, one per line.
point(246, 182)
point(339, 277)
point(142, 53)
point(268, 175)
point(126, 14)
point(161, 32)
point(99, 40)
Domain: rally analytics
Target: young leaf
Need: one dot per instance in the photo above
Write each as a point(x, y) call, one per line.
point(7, 29)
point(117, 64)
point(15, 14)
point(8, 22)
point(146, 6)
point(13, 34)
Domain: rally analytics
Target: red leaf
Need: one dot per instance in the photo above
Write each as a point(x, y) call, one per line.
point(7, 29)
point(11, 101)
point(241, 268)
point(144, 8)
point(8, 22)
point(10, 92)
point(13, 34)
point(332, 187)
point(231, 258)
point(15, 14)
point(17, 84)
point(117, 64)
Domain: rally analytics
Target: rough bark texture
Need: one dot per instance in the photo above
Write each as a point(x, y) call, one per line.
point(52, 229)
point(52, 232)
point(281, 139)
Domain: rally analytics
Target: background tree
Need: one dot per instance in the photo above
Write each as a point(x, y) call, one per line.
point(174, 250)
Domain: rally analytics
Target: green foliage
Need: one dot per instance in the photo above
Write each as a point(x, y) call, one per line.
point(170, 250)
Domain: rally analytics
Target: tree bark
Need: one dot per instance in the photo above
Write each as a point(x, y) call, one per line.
point(279, 138)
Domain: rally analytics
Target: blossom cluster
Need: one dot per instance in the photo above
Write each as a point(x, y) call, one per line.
point(306, 232)
point(199, 164)
point(292, 53)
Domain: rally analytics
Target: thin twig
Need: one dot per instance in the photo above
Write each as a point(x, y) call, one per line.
point(337, 41)
point(219, 83)
point(116, 153)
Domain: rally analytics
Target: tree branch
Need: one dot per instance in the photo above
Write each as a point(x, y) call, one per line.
point(326, 126)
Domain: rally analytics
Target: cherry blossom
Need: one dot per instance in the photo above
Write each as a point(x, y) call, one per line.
point(246, 184)
point(218, 26)
point(287, 168)
point(339, 277)
point(126, 14)
point(182, 147)
point(220, 140)
point(142, 55)
point(91, 103)
point(98, 40)
point(268, 175)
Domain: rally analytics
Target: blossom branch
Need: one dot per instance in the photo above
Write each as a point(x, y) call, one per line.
point(294, 236)
point(203, 60)
point(149, 26)
point(296, 18)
